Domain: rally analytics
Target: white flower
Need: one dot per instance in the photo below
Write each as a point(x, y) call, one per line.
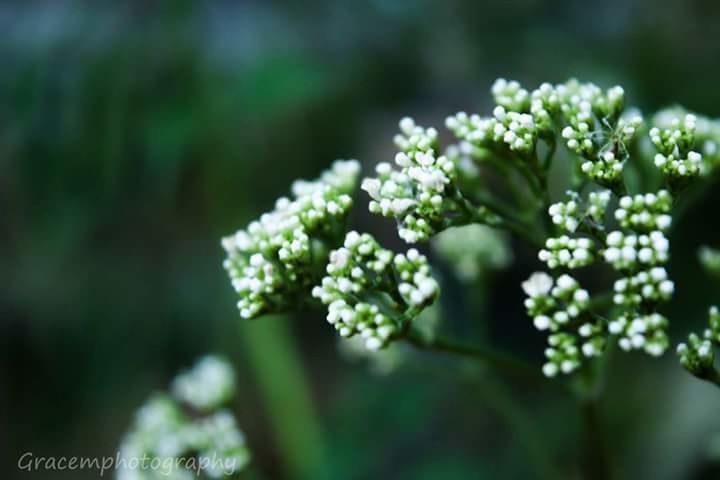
point(539, 284)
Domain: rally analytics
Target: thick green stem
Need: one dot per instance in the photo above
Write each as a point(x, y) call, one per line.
point(279, 375)
point(595, 463)
point(521, 425)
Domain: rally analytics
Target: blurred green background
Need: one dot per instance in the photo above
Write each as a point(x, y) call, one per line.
point(134, 134)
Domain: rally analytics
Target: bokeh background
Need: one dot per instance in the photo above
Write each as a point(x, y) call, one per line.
point(134, 134)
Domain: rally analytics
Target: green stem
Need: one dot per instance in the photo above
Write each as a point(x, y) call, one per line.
point(485, 215)
point(595, 464)
point(505, 404)
point(278, 372)
point(496, 360)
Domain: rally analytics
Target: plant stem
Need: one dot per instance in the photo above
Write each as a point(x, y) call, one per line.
point(504, 403)
point(595, 464)
point(274, 359)
point(496, 360)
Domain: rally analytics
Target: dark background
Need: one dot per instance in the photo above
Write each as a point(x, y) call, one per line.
point(134, 134)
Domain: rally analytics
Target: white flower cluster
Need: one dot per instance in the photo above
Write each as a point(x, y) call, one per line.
point(569, 215)
point(595, 128)
point(562, 308)
point(591, 121)
point(472, 250)
point(210, 383)
point(162, 432)
point(519, 119)
point(607, 165)
point(359, 271)
point(697, 355)
point(638, 252)
point(585, 108)
point(272, 259)
point(541, 103)
point(564, 251)
point(645, 212)
point(646, 286)
point(516, 131)
point(414, 138)
point(631, 251)
point(510, 94)
point(676, 156)
point(566, 215)
point(597, 205)
point(706, 133)
point(417, 194)
point(646, 332)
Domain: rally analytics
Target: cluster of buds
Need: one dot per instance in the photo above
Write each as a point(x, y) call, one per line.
point(513, 130)
point(676, 156)
point(607, 168)
point(597, 206)
point(421, 193)
point(596, 129)
point(566, 215)
point(209, 384)
point(710, 259)
point(358, 274)
point(697, 355)
point(646, 332)
point(510, 95)
point(638, 252)
point(562, 308)
point(165, 440)
point(632, 252)
point(571, 214)
point(473, 250)
point(564, 251)
point(586, 109)
point(272, 261)
point(645, 212)
point(591, 121)
point(650, 286)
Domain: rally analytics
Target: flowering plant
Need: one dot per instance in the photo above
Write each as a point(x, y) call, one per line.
point(604, 245)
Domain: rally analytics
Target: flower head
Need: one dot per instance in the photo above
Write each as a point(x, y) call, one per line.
point(162, 429)
point(210, 383)
point(372, 292)
point(272, 261)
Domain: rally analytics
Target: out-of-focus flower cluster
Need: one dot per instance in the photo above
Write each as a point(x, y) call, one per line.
point(698, 355)
point(276, 259)
point(372, 292)
point(166, 442)
point(210, 383)
point(473, 250)
point(710, 259)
